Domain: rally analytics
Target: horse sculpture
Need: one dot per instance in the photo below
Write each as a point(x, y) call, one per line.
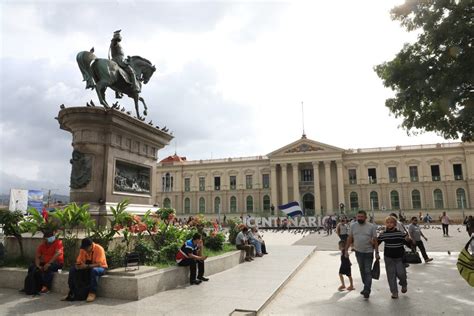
point(100, 73)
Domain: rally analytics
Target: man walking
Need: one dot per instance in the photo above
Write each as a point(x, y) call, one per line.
point(415, 235)
point(445, 223)
point(364, 237)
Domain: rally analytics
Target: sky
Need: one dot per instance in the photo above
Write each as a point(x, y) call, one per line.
point(230, 76)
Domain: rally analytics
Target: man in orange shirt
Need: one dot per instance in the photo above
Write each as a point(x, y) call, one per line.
point(49, 258)
point(91, 257)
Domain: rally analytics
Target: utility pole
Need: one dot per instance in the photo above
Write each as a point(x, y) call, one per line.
point(49, 195)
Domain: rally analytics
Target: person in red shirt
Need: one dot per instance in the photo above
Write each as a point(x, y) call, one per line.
point(49, 259)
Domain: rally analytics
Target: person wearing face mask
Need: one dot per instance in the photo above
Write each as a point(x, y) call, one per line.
point(49, 259)
point(363, 236)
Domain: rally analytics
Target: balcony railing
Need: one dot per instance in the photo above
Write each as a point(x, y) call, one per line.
point(414, 179)
point(436, 178)
point(217, 188)
point(352, 181)
point(393, 180)
point(233, 186)
point(458, 177)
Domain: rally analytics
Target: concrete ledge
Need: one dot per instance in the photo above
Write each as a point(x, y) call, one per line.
point(133, 285)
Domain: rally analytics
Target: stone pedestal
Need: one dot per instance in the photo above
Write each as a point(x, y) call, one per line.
point(114, 157)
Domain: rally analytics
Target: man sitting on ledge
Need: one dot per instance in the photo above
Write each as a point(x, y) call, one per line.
point(91, 257)
point(190, 254)
point(242, 243)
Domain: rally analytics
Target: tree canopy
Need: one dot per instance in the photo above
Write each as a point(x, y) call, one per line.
point(433, 77)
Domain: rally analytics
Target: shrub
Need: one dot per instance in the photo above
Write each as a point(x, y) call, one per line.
point(115, 258)
point(168, 253)
point(146, 252)
point(214, 241)
point(233, 229)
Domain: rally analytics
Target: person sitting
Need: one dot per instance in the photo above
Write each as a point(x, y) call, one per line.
point(255, 241)
point(259, 237)
point(91, 257)
point(190, 254)
point(49, 258)
point(241, 242)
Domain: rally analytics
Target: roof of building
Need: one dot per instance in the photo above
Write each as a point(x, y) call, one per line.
point(173, 158)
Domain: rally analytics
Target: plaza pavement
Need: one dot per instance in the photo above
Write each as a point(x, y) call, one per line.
point(433, 289)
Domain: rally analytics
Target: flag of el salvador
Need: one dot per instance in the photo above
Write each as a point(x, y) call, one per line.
point(291, 209)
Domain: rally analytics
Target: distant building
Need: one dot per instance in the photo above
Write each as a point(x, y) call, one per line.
point(322, 178)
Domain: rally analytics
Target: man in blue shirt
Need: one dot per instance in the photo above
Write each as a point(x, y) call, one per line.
point(190, 254)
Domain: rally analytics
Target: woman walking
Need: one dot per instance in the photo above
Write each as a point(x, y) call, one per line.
point(393, 254)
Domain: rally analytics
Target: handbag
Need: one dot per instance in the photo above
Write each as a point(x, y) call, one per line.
point(466, 264)
point(376, 270)
point(412, 257)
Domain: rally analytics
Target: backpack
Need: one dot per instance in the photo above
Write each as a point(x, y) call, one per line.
point(33, 282)
point(82, 284)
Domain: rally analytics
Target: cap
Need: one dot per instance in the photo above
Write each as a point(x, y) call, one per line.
point(86, 243)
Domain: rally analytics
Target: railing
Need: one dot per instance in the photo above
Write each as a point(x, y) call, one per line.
point(414, 179)
point(436, 178)
point(352, 181)
point(458, 177)
point(217, 188)
point(409, 147)
point(393, 180)
point(222, 160)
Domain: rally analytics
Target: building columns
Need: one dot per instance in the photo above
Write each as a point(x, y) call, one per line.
point(327, 169)
point(340, 183)
point(273, 187)
point(296, 184)
point(284, 183)
point(317, 190)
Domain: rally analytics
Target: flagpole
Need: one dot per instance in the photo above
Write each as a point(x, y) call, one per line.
point(302, 119)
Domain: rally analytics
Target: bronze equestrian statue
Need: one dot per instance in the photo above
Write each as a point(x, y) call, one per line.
point(123, 75)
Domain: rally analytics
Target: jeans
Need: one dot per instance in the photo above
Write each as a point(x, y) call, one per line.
point(420, 245)
point(257, 245)
point(47, 276)
point(192, 268)
point(364, 260)
point(395, 269)
point(445, 229)
point(96, 273)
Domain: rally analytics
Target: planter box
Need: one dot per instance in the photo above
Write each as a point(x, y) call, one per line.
point(139, 284)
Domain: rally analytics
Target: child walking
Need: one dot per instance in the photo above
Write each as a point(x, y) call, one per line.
point(345, 268)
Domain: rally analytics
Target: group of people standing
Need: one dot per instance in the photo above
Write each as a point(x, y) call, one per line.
point(362, 237)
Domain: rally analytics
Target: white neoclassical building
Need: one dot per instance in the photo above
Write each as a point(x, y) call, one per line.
point(322, 177)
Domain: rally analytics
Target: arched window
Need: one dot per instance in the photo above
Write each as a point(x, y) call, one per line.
point(438, 198)
point(461, 198)
point(166, 203)
point(187, 206)
point(249, 204)
point(217, 204)
point(416, 199)
point(354, 199)
point(374, 200)
point(233, 204)
point(395, 200)
point(266, 203)
point(202, 205)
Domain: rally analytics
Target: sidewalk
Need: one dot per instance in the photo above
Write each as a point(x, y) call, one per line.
point(435, 288)
point(247, 286)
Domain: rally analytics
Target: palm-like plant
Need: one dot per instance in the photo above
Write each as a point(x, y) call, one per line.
point(12, 226)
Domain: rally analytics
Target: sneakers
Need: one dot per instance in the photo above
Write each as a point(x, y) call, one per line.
point(90, 297)
point(195, 282)
point(366, 295)
point(69, 297)
point(203, 279)
point(248, 259)
point(44, 290)
point(404, 289)
point(428, 260)
point(394, 295)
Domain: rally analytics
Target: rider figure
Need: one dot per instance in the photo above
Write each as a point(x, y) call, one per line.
point(118, 56)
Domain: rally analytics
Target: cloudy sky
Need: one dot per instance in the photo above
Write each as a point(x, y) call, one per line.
point(230, 81)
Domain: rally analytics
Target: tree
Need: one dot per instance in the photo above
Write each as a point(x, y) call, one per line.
point(12, 223)
point(433, 77)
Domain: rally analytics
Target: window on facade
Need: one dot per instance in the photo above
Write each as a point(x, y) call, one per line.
point(233, 204)
point(187, 184)
point(202, 205)
point(435, 174)
point(266, 181)
point(374, 200)
point(202, 184)
point(217, 204)
point(395, 200)
point(438, 198)
point(187, 206)
point(416, 199)
point(166, 203)
point(249, 204)
point(461, 198)
point(392, 174)
point(353, 176)
point(457, 170)
point(307, 175)
point(233, 182)
point(354, 199)
point(248, 181)
point(167, 183)
point(217, 183)
point(266, 203)
point(414, 173)
point(372, 175)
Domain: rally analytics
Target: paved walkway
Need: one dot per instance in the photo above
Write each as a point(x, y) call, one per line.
point(433, 289)
point(247, 286)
